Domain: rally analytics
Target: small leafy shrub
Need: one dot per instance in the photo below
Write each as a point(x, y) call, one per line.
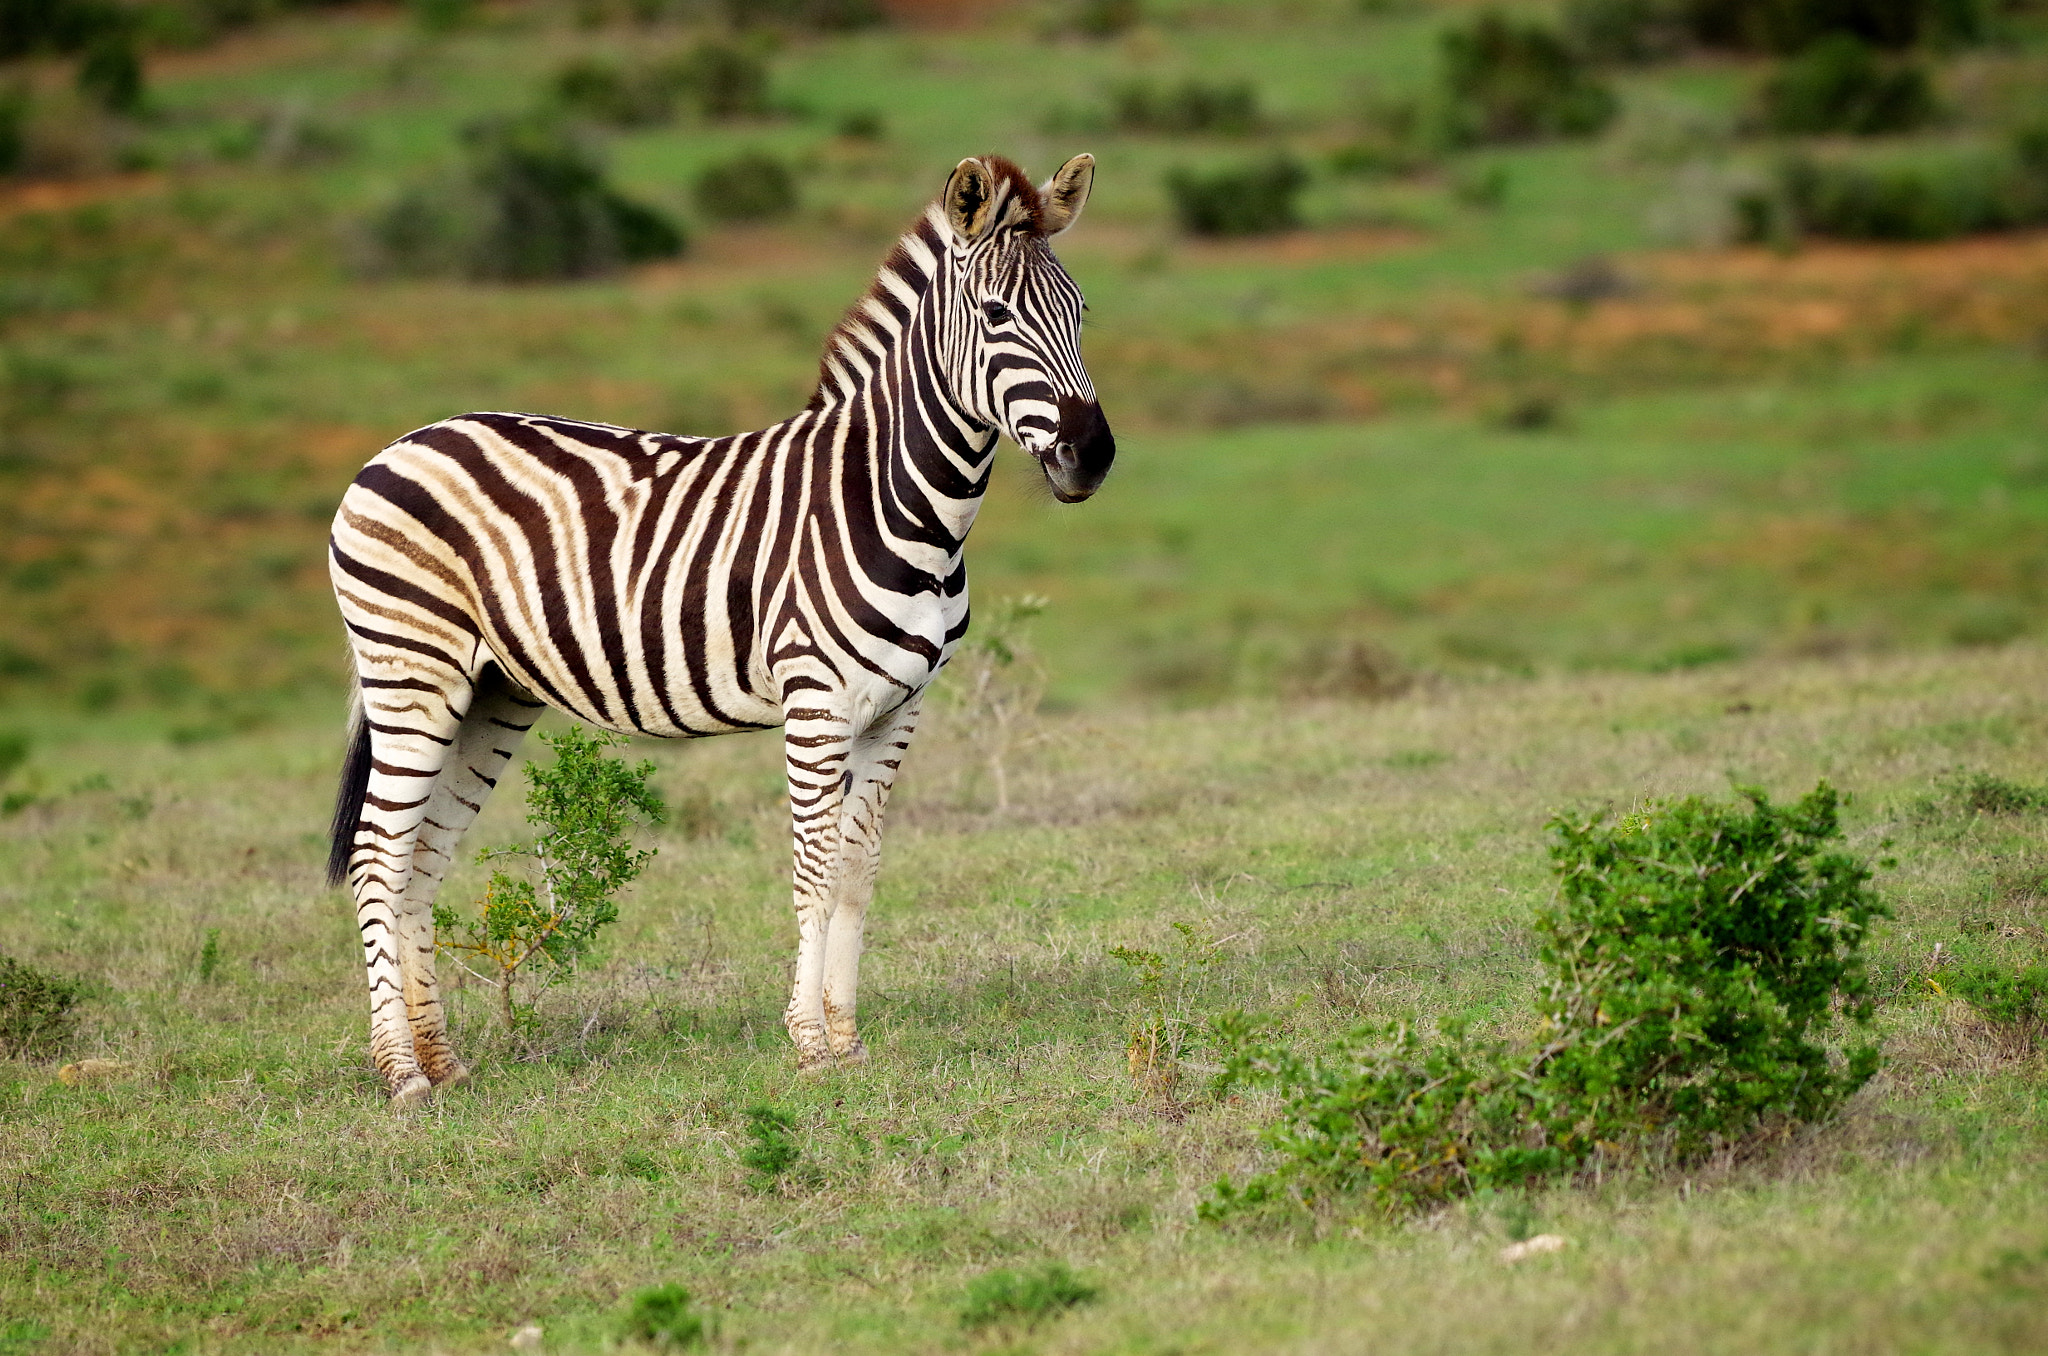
point(1982, 793)
point(1650, 30)
point(532, 204)
point(861, 124)
point(661, 1317)
point(110, 72)
point(1840, 85)
point(1694, 951)
point(1191, 107)
point(1251, 199)
point(549, 917)
point(618, 96)
point(772, 1151)
point(753, 186)
point(1104, 18)
point(2001, 995)
point(1161, 1032)
point(209, 956)
point(834, 16)
point(1926, 197)
point(1025, 1297)
point(1510, 81)
point(724, 80)
point(37, 1009)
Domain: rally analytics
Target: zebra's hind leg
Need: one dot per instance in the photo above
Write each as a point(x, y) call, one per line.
point(410, 718)
point(499, 716)
point(875, 759)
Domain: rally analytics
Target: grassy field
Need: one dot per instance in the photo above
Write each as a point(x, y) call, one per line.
point(241, 1188)
point(1407, 549)
point(192, 362)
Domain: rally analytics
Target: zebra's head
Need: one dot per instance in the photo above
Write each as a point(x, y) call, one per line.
point(1012, 335)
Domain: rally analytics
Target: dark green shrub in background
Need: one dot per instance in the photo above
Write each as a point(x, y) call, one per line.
point(724, 80)
point(1193, 106)
point(823, 15)
point(533, 204)
point(1505, 80)
point(1026, 1297)
point(110, 72)
point(1240, 200)
point(661, 1317)
point(1695, 950)
point(549, 212)
point(605, 92)
point(753, 186)
point(37, 1009)
point(1104, 18)
point(1923, 196)
point(1840, 85)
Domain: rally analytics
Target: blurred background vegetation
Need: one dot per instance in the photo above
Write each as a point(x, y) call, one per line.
point(1441, 339)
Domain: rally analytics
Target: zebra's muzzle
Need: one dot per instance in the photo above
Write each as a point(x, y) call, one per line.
point(1079, 459)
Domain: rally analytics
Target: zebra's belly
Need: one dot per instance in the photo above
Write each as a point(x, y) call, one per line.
point(642, 698)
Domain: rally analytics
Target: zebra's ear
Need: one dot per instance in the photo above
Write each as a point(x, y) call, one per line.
point(970, 199)
point(1066, 193)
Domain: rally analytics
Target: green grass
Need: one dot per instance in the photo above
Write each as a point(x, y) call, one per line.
point(244, 1189)
point(1730, 554)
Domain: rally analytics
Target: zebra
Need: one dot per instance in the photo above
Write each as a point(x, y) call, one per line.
point(808, 575)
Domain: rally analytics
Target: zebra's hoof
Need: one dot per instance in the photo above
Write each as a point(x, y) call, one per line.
point(411, 1093)
point(854, 1053)
point(815, 1062)
point(456, 1075)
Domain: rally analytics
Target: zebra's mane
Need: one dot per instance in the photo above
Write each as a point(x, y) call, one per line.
point(872, 325)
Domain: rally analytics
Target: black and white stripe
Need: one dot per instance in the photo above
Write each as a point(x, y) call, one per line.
point(809, 575)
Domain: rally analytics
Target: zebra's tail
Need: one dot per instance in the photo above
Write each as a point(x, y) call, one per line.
point(355, 786)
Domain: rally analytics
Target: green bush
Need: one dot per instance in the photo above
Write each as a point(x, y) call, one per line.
point(1510, 81)
point(585, 805)
point(1247, 199)
point(38, 1010)
point(533, 204)
point(1840, 85)
point(1951, 193)
point(1104, 18)
point(1193, 106)
point(773, 1149)
point(824, 15)
point(661, 1317)
point(752, 186)
point(2010, 997)
point(110, 72)
point(724, 80)
point(1648, 30)
point(1025, 1297)
point(1694, 951)
point(618, 96)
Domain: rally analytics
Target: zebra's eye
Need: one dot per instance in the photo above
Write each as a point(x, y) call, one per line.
point(997, 313)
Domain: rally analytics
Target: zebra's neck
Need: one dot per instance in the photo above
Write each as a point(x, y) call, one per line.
point(883, 376)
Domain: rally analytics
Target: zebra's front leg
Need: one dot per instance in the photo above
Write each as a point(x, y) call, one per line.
point(818, 748)
point(874, 761)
